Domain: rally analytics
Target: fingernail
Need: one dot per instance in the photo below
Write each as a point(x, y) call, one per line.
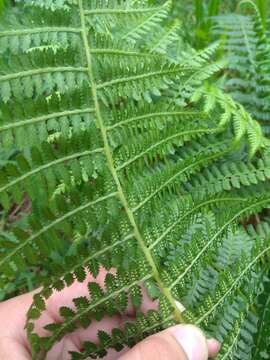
point(192, 341)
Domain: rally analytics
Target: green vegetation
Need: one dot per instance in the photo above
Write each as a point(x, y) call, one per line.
point(131, 140)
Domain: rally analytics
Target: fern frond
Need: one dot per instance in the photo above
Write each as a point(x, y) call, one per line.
point(107, 144)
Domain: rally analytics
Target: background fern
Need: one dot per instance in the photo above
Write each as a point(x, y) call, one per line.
point(247, 49)
point(128, 160)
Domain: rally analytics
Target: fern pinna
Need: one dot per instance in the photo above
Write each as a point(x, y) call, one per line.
point(125, 169)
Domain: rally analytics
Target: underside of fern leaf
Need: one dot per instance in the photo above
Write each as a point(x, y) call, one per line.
point(125, 172)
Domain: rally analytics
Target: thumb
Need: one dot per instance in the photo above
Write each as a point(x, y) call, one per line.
point(181, 342)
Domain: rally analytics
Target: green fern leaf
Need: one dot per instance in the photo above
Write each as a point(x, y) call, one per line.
point(124, 172)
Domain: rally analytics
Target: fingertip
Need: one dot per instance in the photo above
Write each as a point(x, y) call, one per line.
point(213, 347)
point(192, 341)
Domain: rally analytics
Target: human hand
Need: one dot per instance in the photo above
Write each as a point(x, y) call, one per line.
point(182, 342)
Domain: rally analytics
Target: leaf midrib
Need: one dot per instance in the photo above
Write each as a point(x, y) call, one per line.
point(19, 123)
point(235, 282)
point(40, 71)
point(230, 221)
point(48, 165)
point(164, 141)
point(121, 195)
point(112, 11)
point(38, 30)
point(175, 175)
point(54, 223)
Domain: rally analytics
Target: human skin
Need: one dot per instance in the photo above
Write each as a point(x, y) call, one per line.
point(165, 345)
